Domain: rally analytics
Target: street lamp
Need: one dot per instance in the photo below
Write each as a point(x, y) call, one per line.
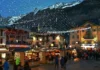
point(58, 38)
point(17, 41)
point(34, 38)
point(70, 46)
point(52, 45)
point(76, 42)
point(40, 39)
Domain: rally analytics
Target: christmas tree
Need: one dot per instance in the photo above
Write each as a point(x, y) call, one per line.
point(89, 34)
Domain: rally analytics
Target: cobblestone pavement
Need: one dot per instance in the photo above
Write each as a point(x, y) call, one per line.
point(71, 65)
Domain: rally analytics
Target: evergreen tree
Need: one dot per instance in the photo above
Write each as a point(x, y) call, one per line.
point(88, 34)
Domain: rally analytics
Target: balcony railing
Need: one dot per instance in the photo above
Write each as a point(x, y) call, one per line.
point(18, 43)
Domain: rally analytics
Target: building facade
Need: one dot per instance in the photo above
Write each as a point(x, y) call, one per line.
point(84, 37)
point(16, 41)
point(13, 42)
point(45, 45)
point(47, 40)
point(3, 49)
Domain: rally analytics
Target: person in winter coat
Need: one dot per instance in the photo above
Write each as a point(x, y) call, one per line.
point(15, 67)
point(26, 66)
point(56, 61)
point(65, 59)
point(6, 65)
point(62, 62)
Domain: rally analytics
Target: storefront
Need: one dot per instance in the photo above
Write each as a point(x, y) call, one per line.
point(31, 56)
point(38, 57)
point(50, 55)
point(18, 52)
point(4, 53)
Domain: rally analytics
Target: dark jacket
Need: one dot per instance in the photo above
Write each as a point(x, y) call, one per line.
point(6, 65)
point(62, 61)
point(26, 66)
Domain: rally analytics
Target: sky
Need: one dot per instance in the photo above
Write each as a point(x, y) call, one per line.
point(20, 7)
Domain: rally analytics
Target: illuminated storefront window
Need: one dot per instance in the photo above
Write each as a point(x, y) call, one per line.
point(32, 55)
point(3, 55)
point(34, 38)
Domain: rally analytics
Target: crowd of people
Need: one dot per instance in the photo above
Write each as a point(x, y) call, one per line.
point(60, 61)
point(5, 65)
point(89, 54)
point(16, 65)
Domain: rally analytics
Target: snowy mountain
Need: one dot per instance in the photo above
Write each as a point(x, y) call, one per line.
point(9, 20)
point(14, 19)
point(3, 21)
point(64, 5)
point(62, 19)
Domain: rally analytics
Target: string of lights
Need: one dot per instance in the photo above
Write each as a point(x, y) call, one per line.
point(57, 32)
point(52, 32)
point(61, 32)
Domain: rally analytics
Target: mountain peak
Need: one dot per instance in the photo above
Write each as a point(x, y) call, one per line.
point(14, 19)
point(91, 0)
point(58, 19)
point(64, 5)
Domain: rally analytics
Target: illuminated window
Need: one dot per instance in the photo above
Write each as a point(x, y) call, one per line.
point(40, 39)
point(34, 38)
point(3, 55)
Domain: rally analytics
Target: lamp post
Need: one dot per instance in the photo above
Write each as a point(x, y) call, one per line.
point(40, 39)
point(58, 40)
point(76, 44)
point(34, 38)
point(34, 41)
point(70, 46)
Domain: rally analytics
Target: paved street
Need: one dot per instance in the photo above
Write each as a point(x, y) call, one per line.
point(81, 65)
point(44, 67)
